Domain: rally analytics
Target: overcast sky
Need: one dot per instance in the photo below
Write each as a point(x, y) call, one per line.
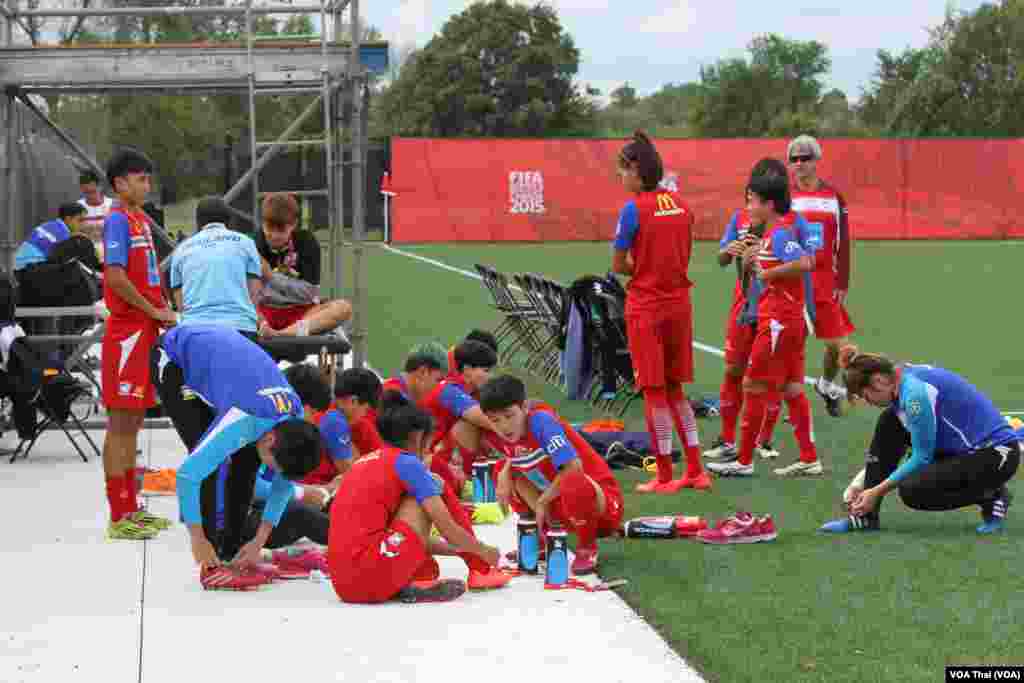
point(652, 42)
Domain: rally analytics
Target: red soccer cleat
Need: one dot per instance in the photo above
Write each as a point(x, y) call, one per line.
point(585, 561)
point(298, 565)
point(701, 482)
point(267, 569)
point(650, 487)
point(479, 581)
point(740, 528)
point(230, 579)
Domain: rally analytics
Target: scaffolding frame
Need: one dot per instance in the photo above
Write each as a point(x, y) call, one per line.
point(197, 67)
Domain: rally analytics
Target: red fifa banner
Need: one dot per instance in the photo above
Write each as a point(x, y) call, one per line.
point(495, 190)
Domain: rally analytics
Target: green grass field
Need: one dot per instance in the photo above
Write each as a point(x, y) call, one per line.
point(888, 607)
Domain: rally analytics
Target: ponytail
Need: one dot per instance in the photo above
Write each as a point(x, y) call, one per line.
point(641, 153)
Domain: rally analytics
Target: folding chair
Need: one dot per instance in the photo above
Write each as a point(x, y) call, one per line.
point(516, 332)
point(53, 390)
point(611, 350)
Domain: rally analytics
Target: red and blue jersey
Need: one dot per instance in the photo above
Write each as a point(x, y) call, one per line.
point(371, 492)
point(781, 298)
point(739, 226)
point(829, 237)
point(447, 403)
point(128, 243)
point(656, 228)
point(549, 445)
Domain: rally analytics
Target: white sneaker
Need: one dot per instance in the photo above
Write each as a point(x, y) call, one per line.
point(767, 451)
point(801, 469)
point(856, 485)
point(732, 468)
point(721, 451)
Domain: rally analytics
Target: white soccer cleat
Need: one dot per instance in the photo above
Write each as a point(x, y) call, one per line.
point(767, 451)
point(801, 469)
point(732, 468)
point(721, 451)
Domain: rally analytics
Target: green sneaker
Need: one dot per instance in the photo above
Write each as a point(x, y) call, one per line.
point(130, 530)
point(150, 521)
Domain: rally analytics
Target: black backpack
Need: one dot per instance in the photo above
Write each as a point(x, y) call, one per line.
point(8, 297)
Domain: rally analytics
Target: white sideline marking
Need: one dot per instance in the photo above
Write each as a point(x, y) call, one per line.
point(713, 350)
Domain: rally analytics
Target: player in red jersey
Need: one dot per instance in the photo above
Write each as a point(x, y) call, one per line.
point(825, 209)
point(741, 326)
point(776, 364)
point(653, 243)
point(482, 336)
point(457, 413)
point(137, 307)
point(550, 470)
point(380, 546)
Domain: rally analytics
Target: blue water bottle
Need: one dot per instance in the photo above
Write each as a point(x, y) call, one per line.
point(483, 483)
point(528, 543)
point(558, 556)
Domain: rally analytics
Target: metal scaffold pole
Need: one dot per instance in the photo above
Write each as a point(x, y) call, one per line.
point(359, 335)
point(10, 180)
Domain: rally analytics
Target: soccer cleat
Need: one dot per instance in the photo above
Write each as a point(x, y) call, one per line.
point(721, 451)
point(129, 530)
point(650, 487)
point(801, 469)
point(293, 563)
point(767, 451)
point(148, 519)
point(993, 513)
point(230, 579)
point(852, 523)
point(732, 468)
point(480, 581)
point(856, 484)
point(832, 395)
point(585, 561)
point(701, 482)
point(740, 528)
point(434, 591)
point(266, 569)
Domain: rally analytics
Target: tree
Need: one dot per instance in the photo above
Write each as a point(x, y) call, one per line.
point(776, 92)
point(624, 96)
point(968, 80)
point(497, 69)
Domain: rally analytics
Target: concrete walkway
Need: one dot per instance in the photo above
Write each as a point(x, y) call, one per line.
point(77, 607)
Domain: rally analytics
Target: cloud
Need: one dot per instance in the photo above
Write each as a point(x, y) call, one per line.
point(678, 18)
point(413, 22)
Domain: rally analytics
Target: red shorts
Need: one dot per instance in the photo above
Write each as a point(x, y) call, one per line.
point(280, 318)
point(777, 356)
point(609, 523)
point(384, 565)
point(831, 321)
point(125, 378)
point(661, 346)
point(739, 339)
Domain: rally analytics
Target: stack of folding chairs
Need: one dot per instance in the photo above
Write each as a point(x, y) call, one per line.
point(532, 334)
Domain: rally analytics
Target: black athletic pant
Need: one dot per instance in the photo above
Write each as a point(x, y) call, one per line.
point(226, 495)
point(298, 521)
point(953, 481)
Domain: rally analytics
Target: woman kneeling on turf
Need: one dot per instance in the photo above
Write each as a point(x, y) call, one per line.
point(962, 449)
point(379, 546)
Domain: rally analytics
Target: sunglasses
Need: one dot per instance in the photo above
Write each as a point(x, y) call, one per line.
point(801, 158)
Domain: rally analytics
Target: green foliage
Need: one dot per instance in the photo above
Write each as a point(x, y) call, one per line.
point(497, 69)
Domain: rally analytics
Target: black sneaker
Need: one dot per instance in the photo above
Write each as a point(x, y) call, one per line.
point(833, 401)
point(432, 591)
point(619, 457)
point(721, 451)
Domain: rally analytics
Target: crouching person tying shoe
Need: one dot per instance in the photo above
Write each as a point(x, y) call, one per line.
point(380, 547)
point(234, 411)
point(963, 452)
point(549, 470)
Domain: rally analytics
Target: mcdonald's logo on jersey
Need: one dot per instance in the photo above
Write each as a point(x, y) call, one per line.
point(667, 206)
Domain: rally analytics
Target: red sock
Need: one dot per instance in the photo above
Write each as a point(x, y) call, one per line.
point(686, 426)
point(803, 427)
point(754, 408)
point(731, 400)
point(462, 518)
point(578, 501)
point(771, 418)
point(116, 498)
point(659, 426)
